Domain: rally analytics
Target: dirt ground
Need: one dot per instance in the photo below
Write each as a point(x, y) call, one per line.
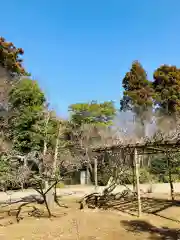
point(89, 224)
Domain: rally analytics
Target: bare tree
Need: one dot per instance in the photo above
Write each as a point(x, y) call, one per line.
point(88, 136)
point(56, 159)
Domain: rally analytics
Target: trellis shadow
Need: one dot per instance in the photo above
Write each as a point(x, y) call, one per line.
point(149, 205)
point(156, 233)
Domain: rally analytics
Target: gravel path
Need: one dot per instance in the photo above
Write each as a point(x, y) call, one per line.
point(80, 191)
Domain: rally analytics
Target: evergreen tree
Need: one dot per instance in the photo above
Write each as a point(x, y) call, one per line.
point(138, 94)
point(167, 89)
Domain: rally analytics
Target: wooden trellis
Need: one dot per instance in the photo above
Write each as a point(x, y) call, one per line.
point(141, 149)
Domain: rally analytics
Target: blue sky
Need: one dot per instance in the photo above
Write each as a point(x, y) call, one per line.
point(79, 50)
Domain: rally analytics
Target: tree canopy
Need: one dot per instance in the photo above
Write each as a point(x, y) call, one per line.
point(166, 86)
point(137, 96)
point(30, 125)
point(27, 105)
point(10, 58)
point(93, 112)
point(138, 91)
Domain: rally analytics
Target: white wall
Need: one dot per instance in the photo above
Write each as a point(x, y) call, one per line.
point(83, 177)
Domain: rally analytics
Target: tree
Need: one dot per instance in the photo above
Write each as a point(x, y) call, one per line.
point(138, 94)
point(138, 89)
point(10, 58)
point(92, 113)
point(166, 86)
point(137, 98)
point(27, 105)
point(53, 129)
point(87, 120)
point(11, 69)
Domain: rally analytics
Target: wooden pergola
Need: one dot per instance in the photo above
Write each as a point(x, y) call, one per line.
point(142, 148)
point(137, 149)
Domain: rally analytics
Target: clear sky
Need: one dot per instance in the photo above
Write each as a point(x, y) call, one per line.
point(79, 50)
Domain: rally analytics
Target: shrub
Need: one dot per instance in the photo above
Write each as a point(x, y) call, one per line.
point(144, 176)
point(60, 185)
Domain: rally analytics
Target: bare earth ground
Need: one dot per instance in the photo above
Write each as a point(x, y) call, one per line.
point(81, 190)
point(75, 224)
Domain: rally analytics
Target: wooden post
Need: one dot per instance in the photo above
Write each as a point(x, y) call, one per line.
point(87, 174)
point(133, 171)
point(136, 161)
point(95, 174)
point(170, 177)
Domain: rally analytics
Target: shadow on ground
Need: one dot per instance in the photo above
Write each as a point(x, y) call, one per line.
point(29, 206)
point(128, 204)
point(149, 205)
point(156, 233)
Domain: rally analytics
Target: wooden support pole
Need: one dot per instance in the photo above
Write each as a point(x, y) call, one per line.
point(95, 174)
point(133, 171)
point(136, 161)
point(87, 174)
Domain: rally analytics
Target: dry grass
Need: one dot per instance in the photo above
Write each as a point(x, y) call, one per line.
point(73, 224)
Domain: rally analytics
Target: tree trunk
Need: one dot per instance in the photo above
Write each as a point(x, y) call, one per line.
point(22, 186)
point(45, 137)
point(56, 150)
point(50, 194)
point(170, 178)
point(136, 160)
point(89, 165)
point(44, 155)
point(50, 198)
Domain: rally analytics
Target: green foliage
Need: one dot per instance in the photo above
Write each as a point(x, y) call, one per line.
point(26, 127)
point(159, 165)
point(4, 166)
point(145, 176)
point(60, 185)
point(26, 93)
point(165, 178)
point(49, 132)
point(103, 174)
point(159, 168)
point(8, 174)
point(92, 113)
point(138, 96)
point(167, 89)
point(27, 104)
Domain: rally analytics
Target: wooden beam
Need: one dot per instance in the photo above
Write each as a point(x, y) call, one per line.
point(153, 147)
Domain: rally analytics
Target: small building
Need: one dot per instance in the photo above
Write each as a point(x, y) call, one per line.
point(81, 176)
